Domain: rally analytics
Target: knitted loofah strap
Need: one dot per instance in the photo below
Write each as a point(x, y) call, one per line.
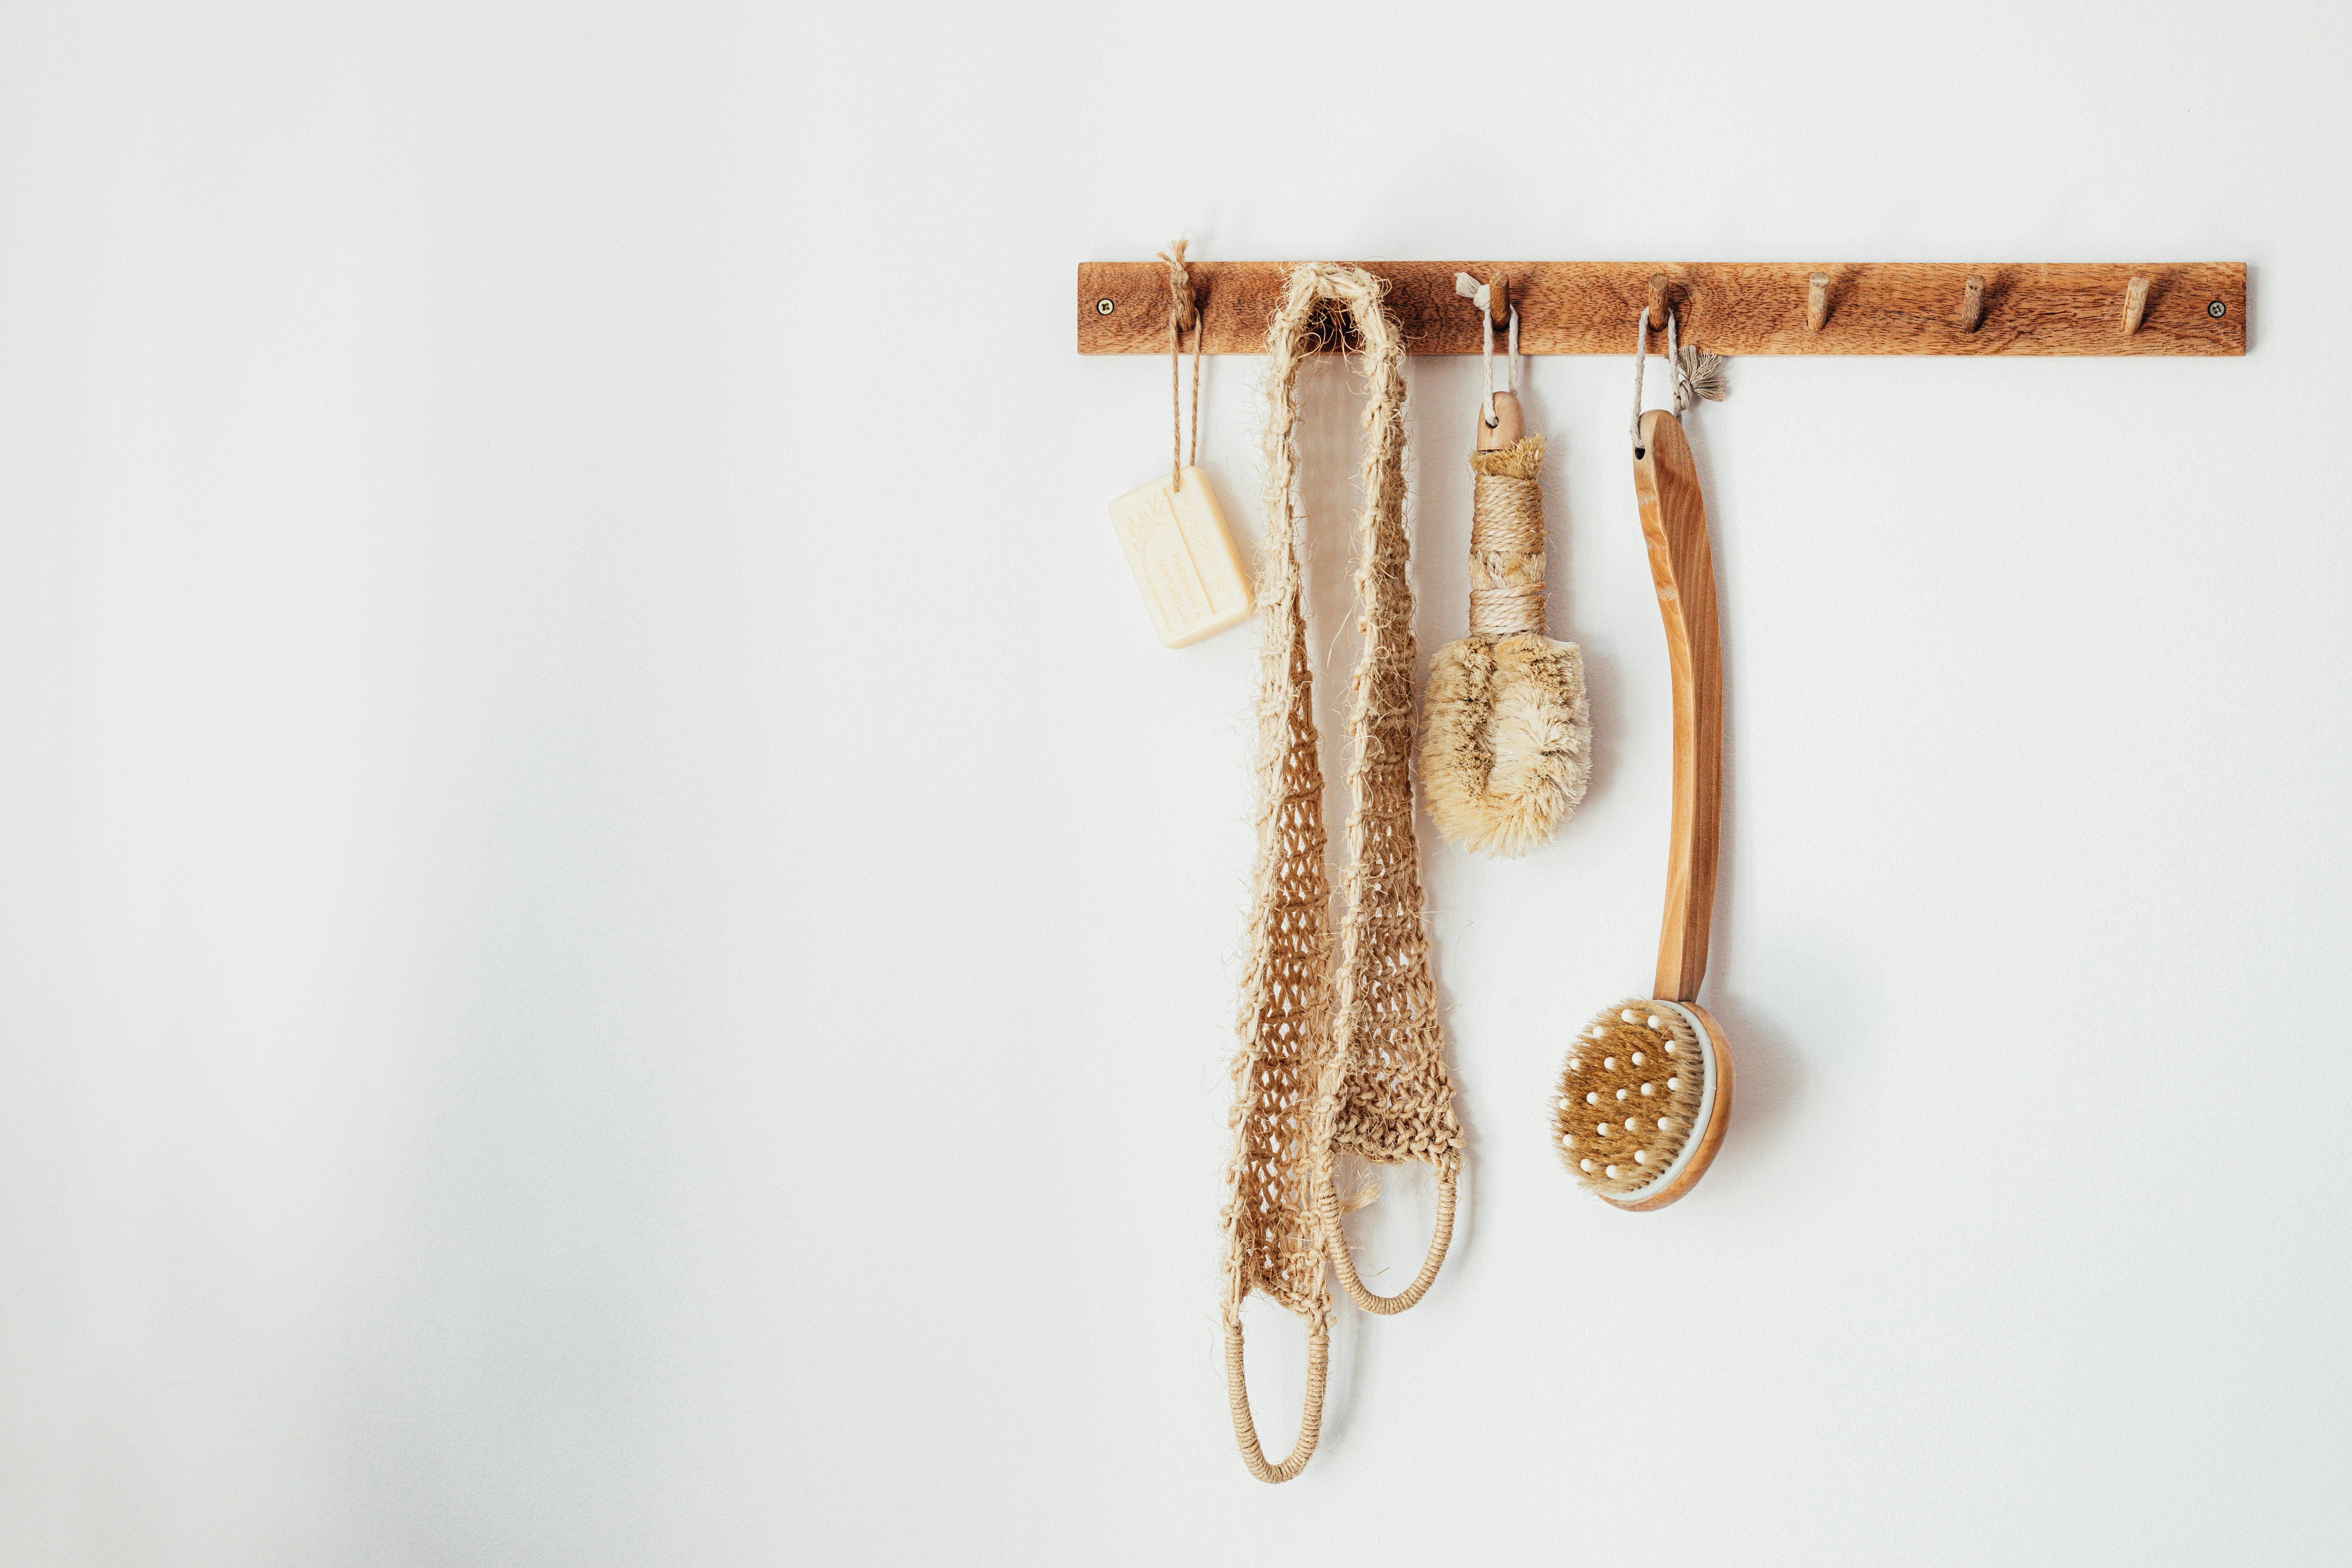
point(1347, 1055)
point(1310, 1422)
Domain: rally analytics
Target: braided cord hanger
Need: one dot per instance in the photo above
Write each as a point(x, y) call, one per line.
point(1182, 312)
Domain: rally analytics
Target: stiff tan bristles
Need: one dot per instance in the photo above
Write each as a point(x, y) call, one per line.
point(1507, 744)
point(1630, 1096)
point(1507, 736)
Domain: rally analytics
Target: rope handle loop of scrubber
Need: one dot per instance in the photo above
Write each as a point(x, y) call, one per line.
point(1483, 296)
point(1344, 1262)
point(1310, 1420)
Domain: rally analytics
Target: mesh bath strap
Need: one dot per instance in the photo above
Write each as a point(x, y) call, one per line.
point(1358, 1067)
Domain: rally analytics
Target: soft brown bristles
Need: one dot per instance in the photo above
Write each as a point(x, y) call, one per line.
point(1630, 1096)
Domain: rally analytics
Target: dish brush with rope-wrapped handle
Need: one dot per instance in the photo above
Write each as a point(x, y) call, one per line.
point(1507, 733)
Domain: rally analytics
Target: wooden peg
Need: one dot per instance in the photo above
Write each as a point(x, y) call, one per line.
point(1498, 300)
point(1972, 303)
point(1817, 302)
point(2135, 304)
point(1657, 301)
point(1509, 428)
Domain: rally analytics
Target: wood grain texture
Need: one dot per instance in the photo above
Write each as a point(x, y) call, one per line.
point(1674, 522)
point(1729, 307)
point(1710, 1137)
point(1510, 427)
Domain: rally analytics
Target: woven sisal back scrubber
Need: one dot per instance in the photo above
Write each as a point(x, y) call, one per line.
point(1357, 1066)
point(1506, 739)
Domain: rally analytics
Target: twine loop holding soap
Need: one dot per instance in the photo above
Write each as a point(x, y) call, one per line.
point(1183, 312)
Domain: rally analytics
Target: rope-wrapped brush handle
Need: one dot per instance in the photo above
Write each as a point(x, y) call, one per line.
point(1506, 528)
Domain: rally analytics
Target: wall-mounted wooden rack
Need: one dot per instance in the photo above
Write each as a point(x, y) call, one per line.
point(1729, 308)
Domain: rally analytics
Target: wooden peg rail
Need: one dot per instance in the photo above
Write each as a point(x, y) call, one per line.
point(1729, 308)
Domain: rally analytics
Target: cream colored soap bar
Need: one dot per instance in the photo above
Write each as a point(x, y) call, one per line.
point(1183, 559)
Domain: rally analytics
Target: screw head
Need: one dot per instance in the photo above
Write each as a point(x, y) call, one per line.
point(2217, 310)
point(1103, 307)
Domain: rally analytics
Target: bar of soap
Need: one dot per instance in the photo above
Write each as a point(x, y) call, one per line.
point(1184, 558)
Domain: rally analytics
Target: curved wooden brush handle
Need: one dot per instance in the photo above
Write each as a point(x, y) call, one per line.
point(1674, 521)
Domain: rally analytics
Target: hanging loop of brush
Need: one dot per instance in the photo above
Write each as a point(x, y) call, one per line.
point(1506, 734)
point(1347, 1059)
point(1697, 375)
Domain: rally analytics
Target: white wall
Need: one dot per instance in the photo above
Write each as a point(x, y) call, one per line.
point(616, 946)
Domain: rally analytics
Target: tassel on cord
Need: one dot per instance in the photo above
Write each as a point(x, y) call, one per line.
point(1699, 375)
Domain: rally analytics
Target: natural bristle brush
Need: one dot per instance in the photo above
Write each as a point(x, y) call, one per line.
point(1646, 1093)
point(1507, 739)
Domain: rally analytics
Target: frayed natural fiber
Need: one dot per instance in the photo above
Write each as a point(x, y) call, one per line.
point(1523, 459)
point(1507, 745)
point(1357, 1065)
point(1506, 734)
point(1699, 375)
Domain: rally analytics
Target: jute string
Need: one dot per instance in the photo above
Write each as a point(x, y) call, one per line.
point(1352, 1062)
point(1181, 313)
point(1506, 549)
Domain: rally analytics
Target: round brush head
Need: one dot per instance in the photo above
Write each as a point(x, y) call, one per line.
point(1642, 1101)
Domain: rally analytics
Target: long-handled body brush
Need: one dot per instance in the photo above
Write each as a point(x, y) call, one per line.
point(1646, 1093)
